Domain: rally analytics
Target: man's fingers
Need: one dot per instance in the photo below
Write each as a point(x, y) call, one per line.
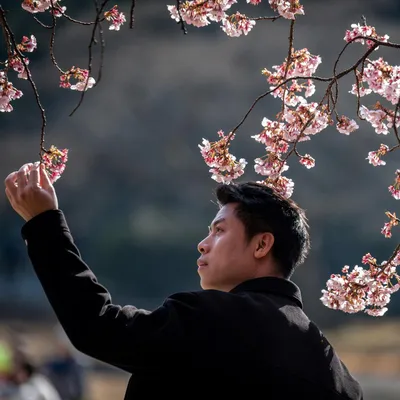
point(9, 196)
point(44, 177)
point(22, 176)
point(34, 176)
point(10, 183)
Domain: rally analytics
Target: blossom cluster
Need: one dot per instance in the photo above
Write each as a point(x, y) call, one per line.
point(84, 81)
point(367, 290)
point(201, 13)
point(19, 62)
point(360, 31)
point(8, 92)
point(387, 228)
point(55, 161)
point(35, 6)
point(224, 167)
point(115, 17)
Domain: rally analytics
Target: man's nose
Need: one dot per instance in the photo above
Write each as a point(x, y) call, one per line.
point(203, 247)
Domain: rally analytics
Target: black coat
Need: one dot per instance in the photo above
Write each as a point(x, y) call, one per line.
point(196, 343)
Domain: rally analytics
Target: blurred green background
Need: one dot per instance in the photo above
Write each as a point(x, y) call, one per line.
point(136, 192)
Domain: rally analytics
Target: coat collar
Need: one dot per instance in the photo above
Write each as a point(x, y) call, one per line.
point(269, 284)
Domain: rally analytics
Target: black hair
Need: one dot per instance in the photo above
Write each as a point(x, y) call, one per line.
point(261, 209)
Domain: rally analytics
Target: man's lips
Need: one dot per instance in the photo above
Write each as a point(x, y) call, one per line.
point(201, 263)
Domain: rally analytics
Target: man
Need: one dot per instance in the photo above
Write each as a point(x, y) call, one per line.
point(243, 334)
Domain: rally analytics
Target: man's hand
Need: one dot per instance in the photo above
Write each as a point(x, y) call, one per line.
point(30, 191)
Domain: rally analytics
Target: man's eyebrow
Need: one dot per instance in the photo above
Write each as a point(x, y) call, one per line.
point(216, 222)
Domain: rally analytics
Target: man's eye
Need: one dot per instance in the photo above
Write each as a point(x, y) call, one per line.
point(218, 229)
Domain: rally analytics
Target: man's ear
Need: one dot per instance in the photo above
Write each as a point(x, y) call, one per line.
point(264, 244)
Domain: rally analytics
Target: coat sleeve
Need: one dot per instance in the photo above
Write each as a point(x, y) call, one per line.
point(130, 338)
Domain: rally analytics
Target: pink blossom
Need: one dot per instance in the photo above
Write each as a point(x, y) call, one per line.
point(367, 259)
point(346, 125)
point(386, 230)
point(84, 82)
point(287, 9)
point(237, 24)
point(363, 91)
point(58, 11)
point(17, 65)
point(272, 136)
point(224, 167)
point(254, 2)
point(35, 6)
point(376, 312)
point(117, 18)
point(354, 291)
point(54, 160)
point(318, 118)
point(199, 13)
point(282, 185)
point(27, 44)
point(8, 93)
point(307, 161)
point(302, 63)
point(365, 31)
point(395, 188)
point(383, 79)
point(396, 260)
point(374, 157)
point(377, 118)
point(272, 166)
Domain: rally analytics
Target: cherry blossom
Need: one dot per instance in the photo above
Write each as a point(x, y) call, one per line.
point(237, 25)
point(377, 118)
point(272, 166)
point(383, 79)
point(346, 125)
point(272, 136)
point(387, 228)
point(81, 75)
point(366, 31)
point(54, 160)
point(374, 157)
point(307, 161)
point(35, 6)
point(287, 9)
point(367, 290)
point(395, 188)
point(200, 13)
point(282, 185)
point(8, 93)
point(117, 18)
point(27, 44)
point(17, 65)
point(224, 167)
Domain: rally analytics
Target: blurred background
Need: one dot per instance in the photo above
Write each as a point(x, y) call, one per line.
point(138, 196)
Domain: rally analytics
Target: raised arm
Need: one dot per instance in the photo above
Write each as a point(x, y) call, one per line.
point(127, 337)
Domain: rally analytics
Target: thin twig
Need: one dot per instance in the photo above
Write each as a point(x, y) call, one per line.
point(288, 61)
point(102, 48)
point(132, 14)
point(92, 41)
point(273, 19)
point(10, 36)
point(181, 21)
point(52, 38)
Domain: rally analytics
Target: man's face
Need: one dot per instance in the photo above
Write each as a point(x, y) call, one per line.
point(227, 259)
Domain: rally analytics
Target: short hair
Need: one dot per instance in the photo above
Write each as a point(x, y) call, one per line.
point(261, 209)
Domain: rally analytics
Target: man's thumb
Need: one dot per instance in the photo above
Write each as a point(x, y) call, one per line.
point(44, 177)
